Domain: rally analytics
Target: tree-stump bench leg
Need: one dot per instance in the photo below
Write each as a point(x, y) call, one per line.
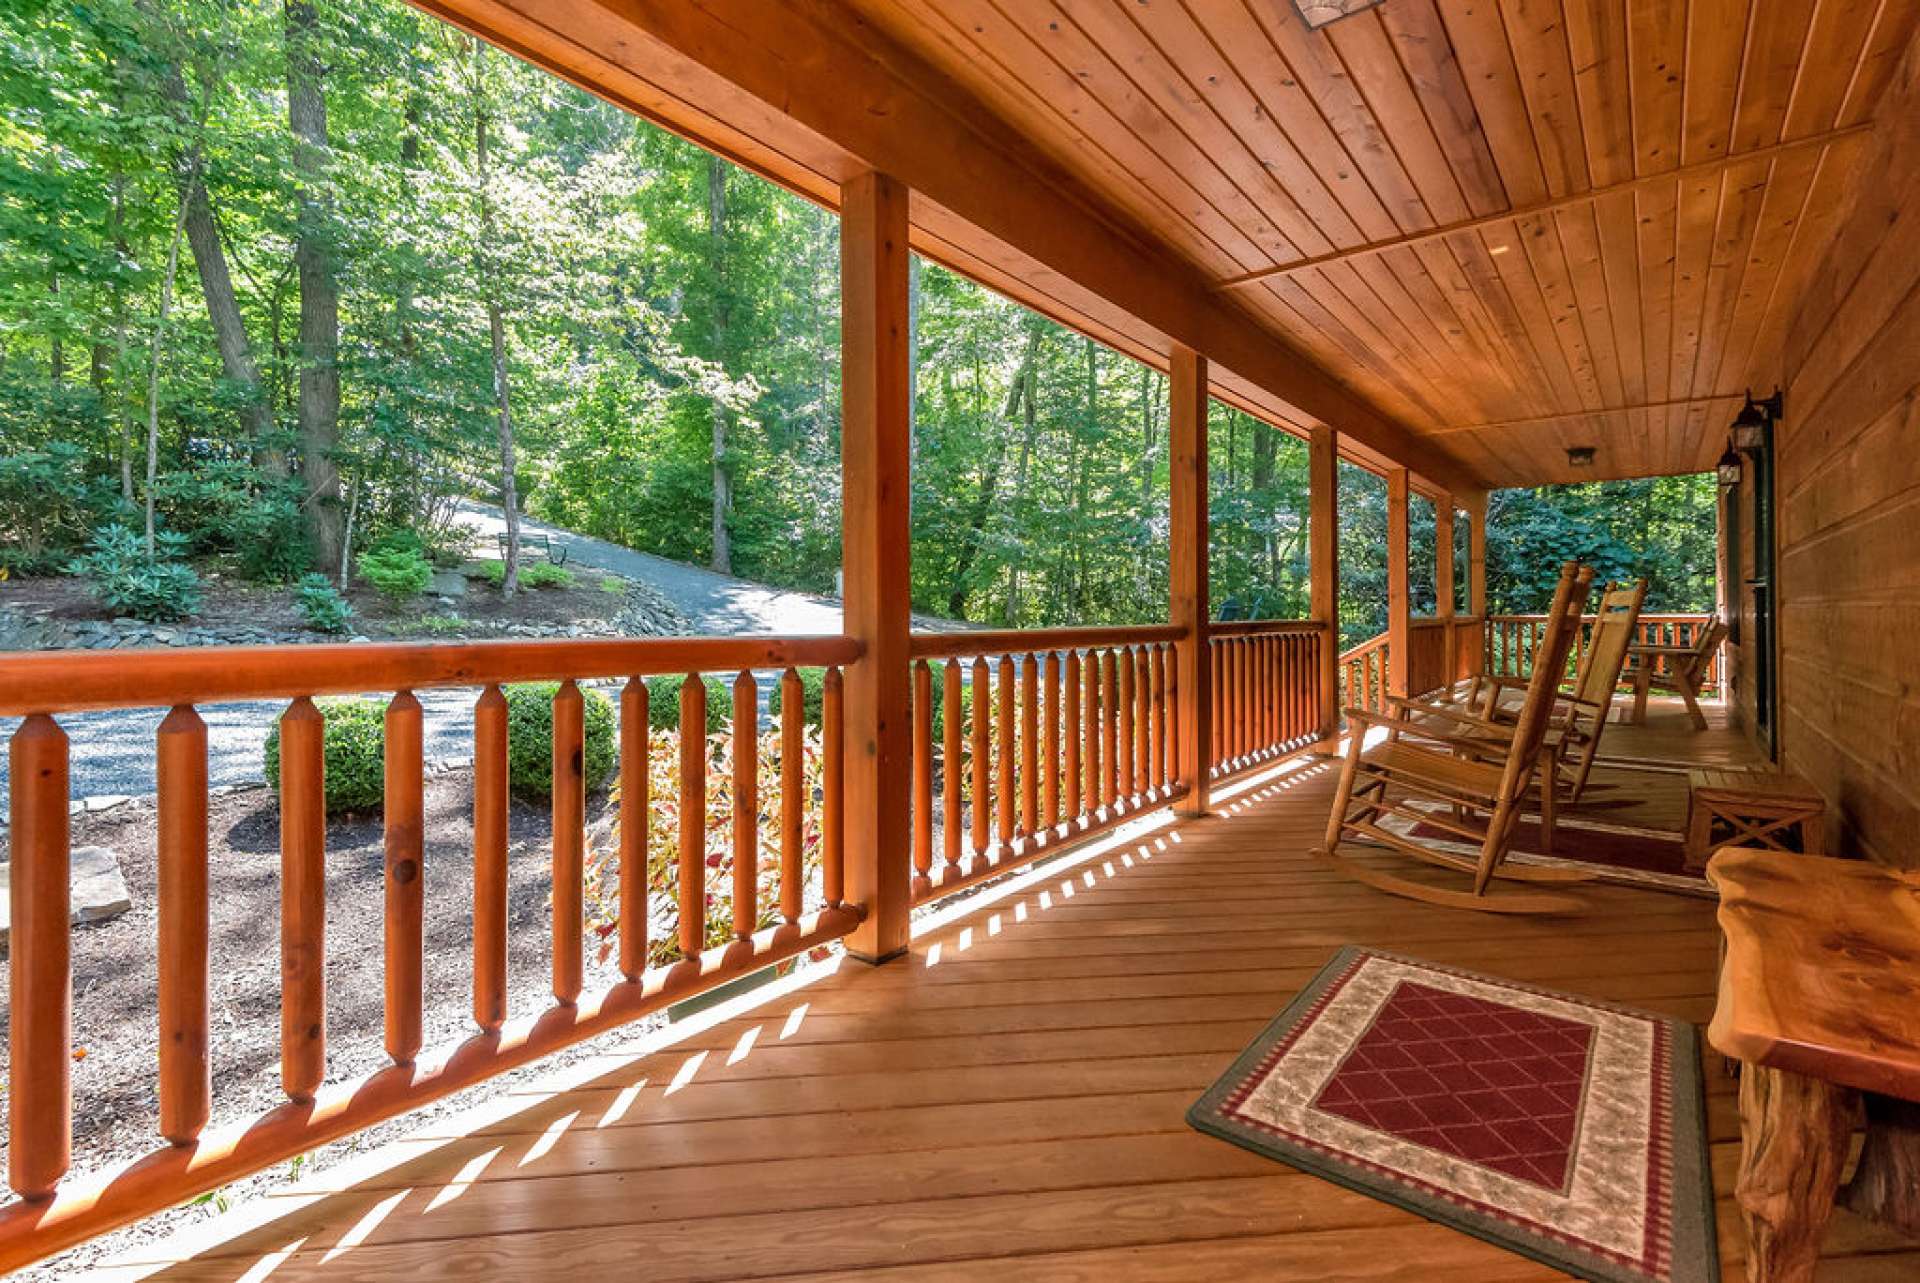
point(1794, 1134)
point(1886, 1185)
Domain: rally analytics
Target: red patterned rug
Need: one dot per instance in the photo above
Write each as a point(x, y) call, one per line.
point(1567, 1130)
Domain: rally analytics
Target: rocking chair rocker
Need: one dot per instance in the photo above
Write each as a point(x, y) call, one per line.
point(1488, 766)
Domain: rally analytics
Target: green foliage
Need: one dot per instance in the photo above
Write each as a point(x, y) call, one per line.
point(663, 703)
point(613, 586)
point(321, 605)
point(1662, 528)
point(813, 695)
point(530, 738)
point(229, 505)
point(353, 748)
point(542, 574)
point(46, 502)
point(128, 582)
point(397, 573)
point(491, 573)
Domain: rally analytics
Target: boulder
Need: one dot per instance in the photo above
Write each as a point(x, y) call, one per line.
point(447, 583)
point(97, 889)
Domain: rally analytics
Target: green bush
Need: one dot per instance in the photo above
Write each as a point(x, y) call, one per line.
point(663, 704)
point(128, 583)
point(542, 574)
point(813, 695)
point(530, 738)
point(324, 609)
point(493, 573)
point(396, 573)
point(354, 753)
point(613, 586)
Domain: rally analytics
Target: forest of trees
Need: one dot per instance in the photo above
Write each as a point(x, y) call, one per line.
point(283, 277)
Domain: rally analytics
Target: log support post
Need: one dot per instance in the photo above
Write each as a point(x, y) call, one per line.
point(876, 400)
point(1187, 579)
point(1795, 1132)
point(1399, 603)
point(1443, 581)
point(1475, 507)
point(1886, 1183)
point(1323, 532)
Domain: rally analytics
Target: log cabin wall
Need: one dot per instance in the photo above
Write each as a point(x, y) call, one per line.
point(1848, 517)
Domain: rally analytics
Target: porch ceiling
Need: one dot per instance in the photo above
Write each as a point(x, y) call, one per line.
point(1467, 235)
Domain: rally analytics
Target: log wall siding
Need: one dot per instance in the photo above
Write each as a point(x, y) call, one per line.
point(1848, 515)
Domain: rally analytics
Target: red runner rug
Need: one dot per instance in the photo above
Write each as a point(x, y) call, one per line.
point(1567, 1130)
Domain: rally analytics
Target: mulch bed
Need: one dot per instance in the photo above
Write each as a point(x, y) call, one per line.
point(114, 978)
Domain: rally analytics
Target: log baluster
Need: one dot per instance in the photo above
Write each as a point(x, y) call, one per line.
point(1006, 797)
point(186, 1082)
point(1143, 718)
point(1071, 734)
point(982, 753)
point(1170, 668)
point(1123, 755)
point(793, 798)
point(1090, 749)
point(746, 806)
point(1157, 754)
point(952, 765)
point(636, 754)
point(832, 795)
point(922, 779)
point(303, 901)
point(1109, 728)
point(405, 876)
point(40, 1087)
point(569, 842)
point(490, 860)
point(1051, 719)
point(693, 816)
point(1030, 744)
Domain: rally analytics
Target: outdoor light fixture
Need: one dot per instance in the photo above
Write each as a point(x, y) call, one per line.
point(1318, 13)
point(1729, 468)
point(1751, 424)
point(1580, 456)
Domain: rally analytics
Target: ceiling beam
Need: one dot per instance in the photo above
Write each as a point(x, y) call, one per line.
point(1699, 169)
point(809, 90)
point(1606, 412)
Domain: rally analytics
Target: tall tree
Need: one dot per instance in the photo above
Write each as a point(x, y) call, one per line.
point(496, 320)
point(319, 356)
point(717, 246)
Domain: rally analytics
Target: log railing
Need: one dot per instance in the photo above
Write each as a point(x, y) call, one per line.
point(52, 1211)
point(1363, 675)
point(1266, 690)
point(1024, 740)
point(1427, 655)
point(1511, 640)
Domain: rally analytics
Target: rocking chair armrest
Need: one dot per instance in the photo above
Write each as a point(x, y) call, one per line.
point(1642, 648)
point(1403, 704)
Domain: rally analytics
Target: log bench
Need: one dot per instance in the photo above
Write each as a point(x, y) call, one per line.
point(1820, 1001)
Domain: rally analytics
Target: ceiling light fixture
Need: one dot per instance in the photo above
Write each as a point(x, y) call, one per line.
point(1580, 456)
point(1318, 13)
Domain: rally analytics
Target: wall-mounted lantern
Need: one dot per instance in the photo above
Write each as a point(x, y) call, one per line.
point(1729, 468)
point(1751, 424)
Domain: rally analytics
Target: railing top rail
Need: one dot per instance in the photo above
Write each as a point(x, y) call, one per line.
point(1245, 627)
point(1002, 641)
point(1428, 621)
point(1646, 617)
point(66, 682)
point(1377, 642)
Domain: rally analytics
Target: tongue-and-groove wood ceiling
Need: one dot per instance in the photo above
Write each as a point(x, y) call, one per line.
point(1719, 137)
point(1510, 228)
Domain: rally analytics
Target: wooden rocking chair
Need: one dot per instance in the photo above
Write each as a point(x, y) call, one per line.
point(1488, 766)
point(1580, 714)
point(1686, 671)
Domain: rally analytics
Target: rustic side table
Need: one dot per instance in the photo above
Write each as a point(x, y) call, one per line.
point(1818, 1001)
point(1730, 807)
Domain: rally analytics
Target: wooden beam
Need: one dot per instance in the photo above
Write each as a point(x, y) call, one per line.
point(812, 88)
point(1443, 572)
point(875, 399)
point(1699, 169)
point(1323, 532)
point(1399, 600)
point(1187, 606)
point(1605, 412)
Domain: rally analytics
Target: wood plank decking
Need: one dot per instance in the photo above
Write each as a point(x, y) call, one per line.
point(1008, 1102)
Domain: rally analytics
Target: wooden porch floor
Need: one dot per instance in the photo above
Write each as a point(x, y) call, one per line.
point(1010, 1100)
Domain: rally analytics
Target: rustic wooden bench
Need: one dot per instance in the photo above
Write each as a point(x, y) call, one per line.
point(1820, 1000)
point(555, 553)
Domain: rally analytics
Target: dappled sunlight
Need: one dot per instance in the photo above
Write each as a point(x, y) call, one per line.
point(266, 1265)
point(744, 1047)
point(685, 1073)
point(548, 1138)
point(622, 1103)
point(366, 1225)
point(795, 1019)
point(469, 1173)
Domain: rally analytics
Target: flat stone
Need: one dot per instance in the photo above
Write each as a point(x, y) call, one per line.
point(447, 583)
point(97, 889)
point(105, 802)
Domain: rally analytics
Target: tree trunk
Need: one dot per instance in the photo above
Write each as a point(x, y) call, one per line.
point(496, 323)
point(717, 249)
point(56, 349)
point(159, 341)
point(319, 404)
point(990, 482)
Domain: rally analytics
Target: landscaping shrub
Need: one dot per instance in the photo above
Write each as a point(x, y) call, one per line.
point(530, 738)
point(492, 573)
point(541, 574)
point(663, 704)
point(813, 695)
point(324, 609)
point(128, 583)
point(230, 505)
point(44, 506)
point(354, 751)
point(397, 573)
point(613, 586)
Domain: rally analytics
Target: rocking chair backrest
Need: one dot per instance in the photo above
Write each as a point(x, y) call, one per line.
point(1549, 663)
point(1613, 632)
point(1711, 635)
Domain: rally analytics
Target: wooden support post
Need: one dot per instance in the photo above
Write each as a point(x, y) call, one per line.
point(1399, 603)
point(876, 399)
point(1324, 567)
point(1187, 581)
point(1794, 1134)
point(1443, 579)
point(1475, 506)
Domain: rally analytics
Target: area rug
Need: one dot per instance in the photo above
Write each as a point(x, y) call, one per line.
point(1567, 1130)
point(1619, 853)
